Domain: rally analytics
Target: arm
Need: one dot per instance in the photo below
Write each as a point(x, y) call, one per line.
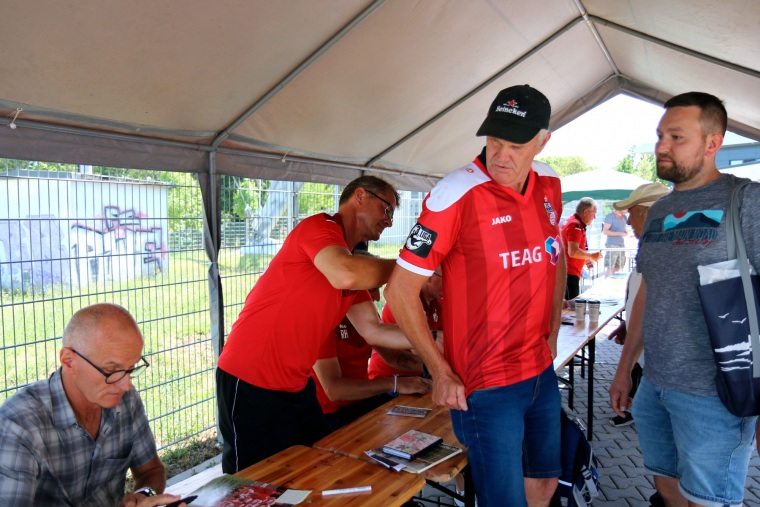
point(364, 318)
point(354, 272)
point(152, 474)
point(634, 345)
point(403, 294)
point(401, 359)
point(558, 302)
point(338, 388)
point(151, 501)
point(575, 251)
point(607, 232)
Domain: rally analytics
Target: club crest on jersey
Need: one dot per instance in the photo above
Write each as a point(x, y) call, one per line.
point(550, 211)
point(420, 240)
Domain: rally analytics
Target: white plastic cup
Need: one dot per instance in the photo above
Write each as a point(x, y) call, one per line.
point(593, 310)
point(580, 309)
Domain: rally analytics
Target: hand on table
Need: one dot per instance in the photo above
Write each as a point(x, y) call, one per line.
point(414, 385)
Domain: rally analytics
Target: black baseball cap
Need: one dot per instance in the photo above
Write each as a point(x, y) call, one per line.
point(517, 114)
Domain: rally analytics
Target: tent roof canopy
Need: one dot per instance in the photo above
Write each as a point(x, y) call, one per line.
point(599, 184)
point(321, 91)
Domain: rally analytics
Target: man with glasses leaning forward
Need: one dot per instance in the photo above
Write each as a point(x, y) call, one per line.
point(266, 396)
point(69, 439)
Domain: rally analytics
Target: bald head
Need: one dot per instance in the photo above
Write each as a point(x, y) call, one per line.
point(97, 322)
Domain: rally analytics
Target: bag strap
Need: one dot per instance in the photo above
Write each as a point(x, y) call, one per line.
point(737, 250)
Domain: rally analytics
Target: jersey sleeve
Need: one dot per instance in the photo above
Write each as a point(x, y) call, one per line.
point(317, 235)
point(431, 238)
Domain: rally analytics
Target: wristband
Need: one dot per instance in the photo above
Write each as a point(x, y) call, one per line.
point(395, 383)
point(147, 491)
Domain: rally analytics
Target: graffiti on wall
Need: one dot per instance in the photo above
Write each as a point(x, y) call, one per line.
point(115, 247)
point(35, 251)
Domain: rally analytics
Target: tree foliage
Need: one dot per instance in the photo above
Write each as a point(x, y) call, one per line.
point(642, 165)
point(566, 166)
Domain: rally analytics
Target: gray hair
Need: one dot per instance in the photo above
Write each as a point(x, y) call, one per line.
point(584, 204)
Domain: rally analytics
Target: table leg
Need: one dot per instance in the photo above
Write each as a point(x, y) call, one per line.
point(590, 373)
point(571, 391)
point(469, 487)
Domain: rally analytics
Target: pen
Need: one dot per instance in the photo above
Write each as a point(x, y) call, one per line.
point(359, 489)
point(187, 500)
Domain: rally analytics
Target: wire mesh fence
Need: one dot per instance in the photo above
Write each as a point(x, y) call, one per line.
point(71, 236)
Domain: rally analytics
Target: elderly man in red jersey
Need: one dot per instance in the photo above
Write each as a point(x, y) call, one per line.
point(493, 227)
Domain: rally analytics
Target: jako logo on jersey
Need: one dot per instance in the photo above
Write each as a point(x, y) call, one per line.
point(553, 247)
point(420, 240)
point(501, 220)
point(520, 257)
point(550, 211)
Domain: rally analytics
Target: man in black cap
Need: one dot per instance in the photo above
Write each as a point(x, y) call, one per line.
point(493, 228)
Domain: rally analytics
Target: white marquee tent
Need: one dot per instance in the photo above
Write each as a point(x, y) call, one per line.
point(322, 90)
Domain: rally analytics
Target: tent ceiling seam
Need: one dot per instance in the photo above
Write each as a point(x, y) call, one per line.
point(535, 49)
point(297, 71)
point(597, 37)
point(675, 47)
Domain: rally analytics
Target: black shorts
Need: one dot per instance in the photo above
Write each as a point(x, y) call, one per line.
point(256, 423)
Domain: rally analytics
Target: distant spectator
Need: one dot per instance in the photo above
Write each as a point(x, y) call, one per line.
point(615, 229)
point(576, 245)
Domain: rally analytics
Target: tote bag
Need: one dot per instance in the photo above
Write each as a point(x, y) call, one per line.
point(732, 323)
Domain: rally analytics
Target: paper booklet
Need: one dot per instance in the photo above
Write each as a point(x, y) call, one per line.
point(410, 444)
point(426, 459)
point(233, 491)
point(409, 411)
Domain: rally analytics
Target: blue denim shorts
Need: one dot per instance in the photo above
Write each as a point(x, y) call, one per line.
point(694, 439)
point(511, 432)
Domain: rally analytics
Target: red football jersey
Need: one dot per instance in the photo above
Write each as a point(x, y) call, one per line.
point(352, 352)
point(574, 230)
point(378, 367)
point(290, 311)
point(499, 251)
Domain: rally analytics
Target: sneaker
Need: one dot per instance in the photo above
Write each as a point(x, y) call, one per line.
point(656, 500)
point(619, 422)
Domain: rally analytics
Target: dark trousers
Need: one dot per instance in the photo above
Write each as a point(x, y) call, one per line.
point(256, 423)
point(573, 287)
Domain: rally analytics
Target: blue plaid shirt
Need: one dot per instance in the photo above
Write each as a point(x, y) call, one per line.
point(48, 459)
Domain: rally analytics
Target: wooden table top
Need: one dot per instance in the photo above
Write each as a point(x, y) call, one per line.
point(572, 338)
point(307, 468)
point(377, 428)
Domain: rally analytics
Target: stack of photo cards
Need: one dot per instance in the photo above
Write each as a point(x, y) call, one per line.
point(406, 411)
point(427, 459)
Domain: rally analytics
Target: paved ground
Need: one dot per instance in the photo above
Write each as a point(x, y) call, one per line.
point(624, 481)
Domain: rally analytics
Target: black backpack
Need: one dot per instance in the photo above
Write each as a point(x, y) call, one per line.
point(579, 482)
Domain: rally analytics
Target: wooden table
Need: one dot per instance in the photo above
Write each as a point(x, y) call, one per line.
point(302, 467)
point(573, 338)
point(377, 428)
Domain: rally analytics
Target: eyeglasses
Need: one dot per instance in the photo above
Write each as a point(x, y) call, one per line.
point(115, 376)
point(388, 209)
